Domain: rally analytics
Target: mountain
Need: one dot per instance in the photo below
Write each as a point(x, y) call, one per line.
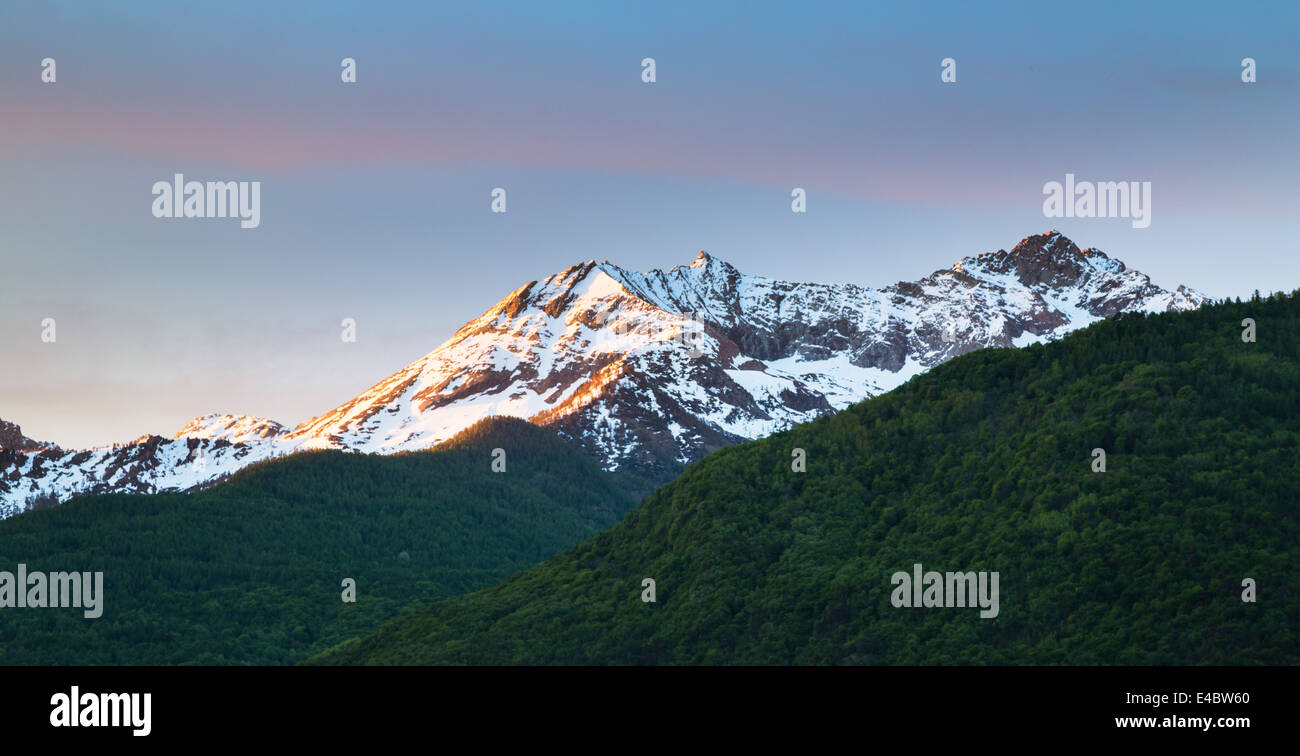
point(250, 571)
point(649, 371)
point(151, 463)
point(985, 464)
point(11, 437)
point(234, 429)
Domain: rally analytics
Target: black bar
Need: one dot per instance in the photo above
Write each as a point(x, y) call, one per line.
point(1003, 705)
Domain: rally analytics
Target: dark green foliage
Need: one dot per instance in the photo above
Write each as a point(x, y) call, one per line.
point(249, 572)
point(984, 463)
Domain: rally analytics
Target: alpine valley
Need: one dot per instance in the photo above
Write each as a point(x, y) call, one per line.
point(645, 372)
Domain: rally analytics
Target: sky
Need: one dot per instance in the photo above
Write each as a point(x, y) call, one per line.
point(376, 195)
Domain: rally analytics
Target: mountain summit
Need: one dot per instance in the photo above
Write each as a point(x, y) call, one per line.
point(650, 371)
point(11, 437)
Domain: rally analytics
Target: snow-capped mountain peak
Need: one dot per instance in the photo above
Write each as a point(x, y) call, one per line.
point(654, 369)
point(650, 370)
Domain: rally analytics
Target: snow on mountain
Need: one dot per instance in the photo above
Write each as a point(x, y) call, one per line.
point(147, 465)
point(236, 429)
point(648, 371)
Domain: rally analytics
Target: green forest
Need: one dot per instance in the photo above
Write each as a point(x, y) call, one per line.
point(984, 464)
point(251, 571)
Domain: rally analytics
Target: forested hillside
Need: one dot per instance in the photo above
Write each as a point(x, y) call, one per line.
point(250, 571)
point(983, 464)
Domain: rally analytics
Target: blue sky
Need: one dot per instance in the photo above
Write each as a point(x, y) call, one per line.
point(375, 195)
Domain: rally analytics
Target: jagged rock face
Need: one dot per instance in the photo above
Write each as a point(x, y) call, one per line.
point(649, 371)
point(11, 437)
